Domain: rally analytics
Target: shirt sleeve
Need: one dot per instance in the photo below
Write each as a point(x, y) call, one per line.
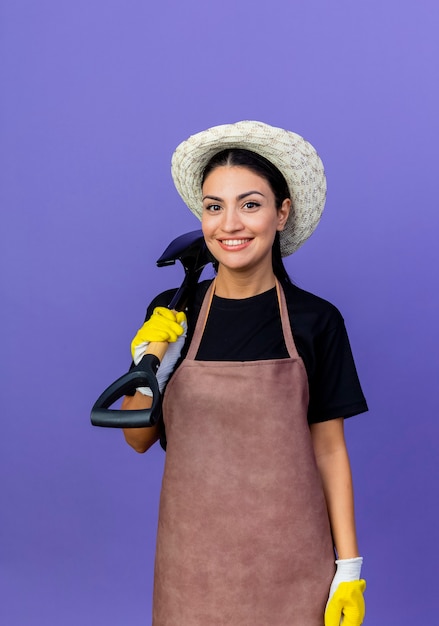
point(335, 389)
point(163, 299)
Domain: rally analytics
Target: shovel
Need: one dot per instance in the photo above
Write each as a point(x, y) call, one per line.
point(191, 250)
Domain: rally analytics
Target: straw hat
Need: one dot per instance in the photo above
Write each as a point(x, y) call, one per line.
point(296, 159)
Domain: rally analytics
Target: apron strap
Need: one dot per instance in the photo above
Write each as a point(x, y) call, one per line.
point(201, 322)
point(204, 313)
point(285, 320)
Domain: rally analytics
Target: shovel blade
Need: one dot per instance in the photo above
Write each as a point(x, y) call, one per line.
point(181, 247)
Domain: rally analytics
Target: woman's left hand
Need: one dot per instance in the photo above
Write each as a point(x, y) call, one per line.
point(346, 606)
point(346, 601)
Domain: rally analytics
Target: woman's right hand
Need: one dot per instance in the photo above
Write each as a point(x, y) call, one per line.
point(164, 325)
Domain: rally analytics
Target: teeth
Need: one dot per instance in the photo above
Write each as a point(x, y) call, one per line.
point(234, 242)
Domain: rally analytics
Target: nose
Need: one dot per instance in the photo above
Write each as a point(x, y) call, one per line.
point(231, 220)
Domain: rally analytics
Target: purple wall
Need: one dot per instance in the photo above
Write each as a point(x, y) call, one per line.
point(94, 98)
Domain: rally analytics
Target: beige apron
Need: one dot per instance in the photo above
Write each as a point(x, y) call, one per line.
point(243, 536)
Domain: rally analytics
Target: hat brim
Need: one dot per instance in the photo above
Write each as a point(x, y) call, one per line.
point(295, 158)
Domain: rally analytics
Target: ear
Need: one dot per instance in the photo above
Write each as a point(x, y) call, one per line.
point(283, 213)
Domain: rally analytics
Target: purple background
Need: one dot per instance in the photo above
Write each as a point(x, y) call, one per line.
point(95, 96)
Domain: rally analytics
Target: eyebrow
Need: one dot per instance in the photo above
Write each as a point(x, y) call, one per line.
point(240, 197)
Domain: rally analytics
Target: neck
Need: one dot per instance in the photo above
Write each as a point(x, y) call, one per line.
point(236, 285)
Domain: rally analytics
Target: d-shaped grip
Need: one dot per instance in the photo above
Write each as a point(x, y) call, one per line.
point(142, 375)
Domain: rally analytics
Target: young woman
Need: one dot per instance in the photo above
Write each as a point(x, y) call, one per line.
point(257, 497)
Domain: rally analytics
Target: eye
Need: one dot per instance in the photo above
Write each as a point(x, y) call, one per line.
point(212, 208)
point(251, 205)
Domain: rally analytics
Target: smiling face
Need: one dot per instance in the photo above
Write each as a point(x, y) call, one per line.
point(240, 219)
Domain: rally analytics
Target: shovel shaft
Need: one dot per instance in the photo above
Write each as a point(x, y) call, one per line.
point(157, 348)
point(191, 250)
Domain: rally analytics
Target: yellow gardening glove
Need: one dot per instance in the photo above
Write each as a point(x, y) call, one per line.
point(346, 606)
point(163, 325)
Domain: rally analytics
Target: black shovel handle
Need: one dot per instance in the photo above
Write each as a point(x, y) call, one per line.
point(142, 375)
